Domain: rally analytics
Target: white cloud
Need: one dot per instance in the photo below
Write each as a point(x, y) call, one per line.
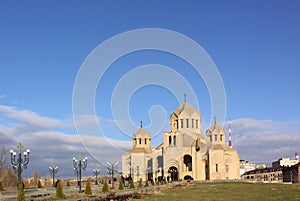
point(29, 117)
point(261, 141)
point(59, 148)
point(2, 96)
point(264, 141)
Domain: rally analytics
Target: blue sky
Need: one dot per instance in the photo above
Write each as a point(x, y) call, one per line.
point(254, 45)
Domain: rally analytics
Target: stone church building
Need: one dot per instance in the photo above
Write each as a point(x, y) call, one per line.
point(184, 154)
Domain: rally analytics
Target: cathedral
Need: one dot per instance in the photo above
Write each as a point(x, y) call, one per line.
point(184, 154)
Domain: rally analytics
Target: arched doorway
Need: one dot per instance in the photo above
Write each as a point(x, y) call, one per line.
point(173, 173)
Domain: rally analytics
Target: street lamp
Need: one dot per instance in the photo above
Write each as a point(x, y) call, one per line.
point(19, 163)
point(96, 171)
point(129, 165)
point(53, 170)
point(162, 171)
point(111, 168)
point(80, 165)
point(76, 172)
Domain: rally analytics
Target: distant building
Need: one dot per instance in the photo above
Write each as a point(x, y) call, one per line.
point(184, 153)
point(264, 175)
point(284, 162)
point(261, 166)
point(246, 166)
point(291, 174)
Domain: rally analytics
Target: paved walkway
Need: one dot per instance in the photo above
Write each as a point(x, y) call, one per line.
point(39, 193)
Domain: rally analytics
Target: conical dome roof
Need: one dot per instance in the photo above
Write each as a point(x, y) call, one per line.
point(186, 107)
point(215, 129)
point(141, 133)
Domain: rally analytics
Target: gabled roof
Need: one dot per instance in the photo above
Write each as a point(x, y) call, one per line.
point(186, 107)
point(141, 133)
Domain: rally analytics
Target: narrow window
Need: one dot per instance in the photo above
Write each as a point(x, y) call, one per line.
point(140, 140)
point(170, 140)
point(217, 168)
point(227, 168)
point(192, 123)
point(221, 137)
point(216, 138)
point(196, 123)
point(174, 140)
point(210, 138)
point(181, 122)
point(145, 140)
point(177, 124)
point(187, 123)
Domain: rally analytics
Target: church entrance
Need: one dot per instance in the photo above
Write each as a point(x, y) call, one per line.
point(173, 173)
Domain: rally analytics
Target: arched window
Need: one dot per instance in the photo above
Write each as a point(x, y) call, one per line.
point(174, 140)
point(196, 123)
point(140, 141)
point(187, 123)
point(145, 140)
point(187, 160)
point(170, 140)
point(221, 137)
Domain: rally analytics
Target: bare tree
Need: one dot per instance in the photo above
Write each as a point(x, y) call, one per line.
point(2, 157)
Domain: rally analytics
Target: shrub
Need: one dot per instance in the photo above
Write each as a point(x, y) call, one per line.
point(68, 183)
point(121, 186)
point(146, 183)
point(140, 184)
point(39, 184)
point(1, 187)
point(21, 193)
point(105, 187)
point(88, 189)
point(59, 191)
point(131, 185)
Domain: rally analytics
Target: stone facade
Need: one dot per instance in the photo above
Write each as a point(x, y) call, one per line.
point(184, 153)
point(264, 175)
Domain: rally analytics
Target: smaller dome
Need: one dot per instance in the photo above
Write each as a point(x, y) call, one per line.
point(141, 133)
point(215, 129)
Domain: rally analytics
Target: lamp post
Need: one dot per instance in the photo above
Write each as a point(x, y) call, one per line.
point(53, 170)
point(111, 168)
point(162, 170)
point(80, 165)
point(129, 165)
point(19, 163)
point(76, 172)
point(96, 171)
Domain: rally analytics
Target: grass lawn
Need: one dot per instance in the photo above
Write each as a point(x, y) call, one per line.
point(229, 191)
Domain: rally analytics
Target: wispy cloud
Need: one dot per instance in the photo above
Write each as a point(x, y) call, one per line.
point(29, 117)
point(2, 96)
point(264, 141)
point(261, 141)
point(48, 144)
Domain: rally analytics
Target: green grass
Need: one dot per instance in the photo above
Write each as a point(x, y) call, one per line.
point(229, 192)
